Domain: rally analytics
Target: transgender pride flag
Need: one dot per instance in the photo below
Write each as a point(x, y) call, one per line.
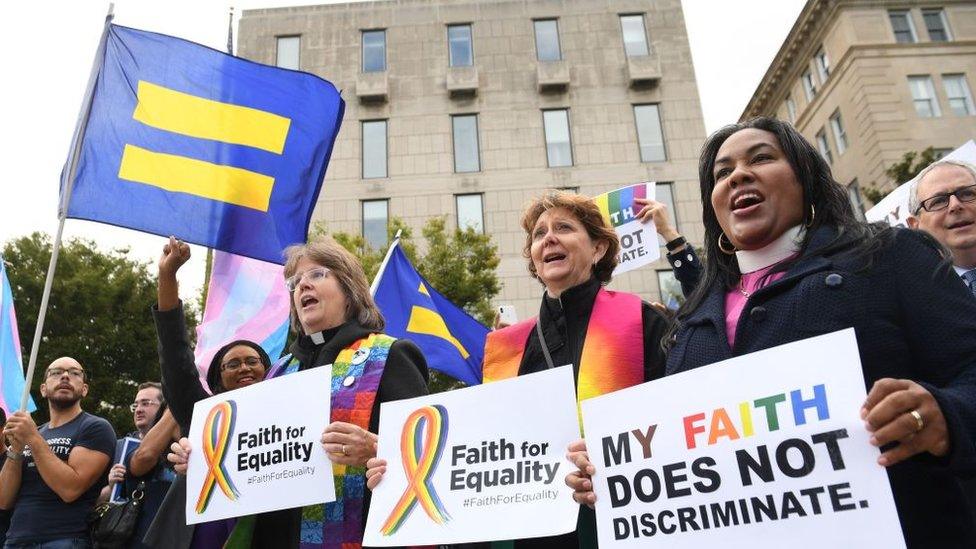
point(11, 363)
point(247, 299)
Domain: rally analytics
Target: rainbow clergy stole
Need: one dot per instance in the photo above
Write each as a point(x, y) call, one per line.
point(613, 353)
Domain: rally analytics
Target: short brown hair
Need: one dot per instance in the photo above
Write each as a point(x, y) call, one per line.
point(347, 270)
point(588, 213)
point(153, 385)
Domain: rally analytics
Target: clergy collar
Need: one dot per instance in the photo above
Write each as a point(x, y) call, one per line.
point(319, 338)
point(787, 245)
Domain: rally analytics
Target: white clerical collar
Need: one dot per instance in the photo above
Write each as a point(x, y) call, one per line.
point(788, 244)
point(317, 338)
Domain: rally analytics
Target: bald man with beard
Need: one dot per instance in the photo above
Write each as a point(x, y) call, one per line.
point(51, 475)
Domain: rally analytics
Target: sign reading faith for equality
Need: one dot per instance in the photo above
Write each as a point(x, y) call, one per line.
point(638, 241)
point(763, 450)
point(257, 449)
point(477, 464)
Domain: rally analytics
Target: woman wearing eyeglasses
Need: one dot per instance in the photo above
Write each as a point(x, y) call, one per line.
point(338, 323)
point(237, 364)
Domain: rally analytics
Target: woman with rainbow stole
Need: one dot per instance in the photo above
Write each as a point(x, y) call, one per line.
point(612, 340)
point(337, 322)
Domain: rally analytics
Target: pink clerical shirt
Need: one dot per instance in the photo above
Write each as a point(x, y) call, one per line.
point(735, 300)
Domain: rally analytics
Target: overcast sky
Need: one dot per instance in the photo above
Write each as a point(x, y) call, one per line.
point(46, 50)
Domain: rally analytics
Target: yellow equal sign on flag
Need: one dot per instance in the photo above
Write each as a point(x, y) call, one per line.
point(193, 116)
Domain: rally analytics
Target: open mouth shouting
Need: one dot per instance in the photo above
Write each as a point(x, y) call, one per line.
point(553, 257)
point(308, 301)
point(745, 202)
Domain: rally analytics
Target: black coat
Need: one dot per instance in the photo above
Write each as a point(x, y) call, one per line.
point(913, 319)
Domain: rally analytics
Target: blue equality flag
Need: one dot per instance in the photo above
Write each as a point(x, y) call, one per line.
point(452, 340)
point(189, 141)
point(11, 365)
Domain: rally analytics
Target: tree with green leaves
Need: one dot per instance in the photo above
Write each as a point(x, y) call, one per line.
point(904, 170)
point(98, 313)
point(458, 264)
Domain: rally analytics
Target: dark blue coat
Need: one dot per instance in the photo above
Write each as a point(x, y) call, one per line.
point(913, 318)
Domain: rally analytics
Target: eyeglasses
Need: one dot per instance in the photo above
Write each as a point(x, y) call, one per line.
point(251, 362)
point(312, 275)
point(941, 201)
point(144, 403)
point(72, 372)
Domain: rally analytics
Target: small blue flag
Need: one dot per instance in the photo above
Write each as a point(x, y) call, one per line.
point(11, 365)
point(189, 141)
point(451, 339)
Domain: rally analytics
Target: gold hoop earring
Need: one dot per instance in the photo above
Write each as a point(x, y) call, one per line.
point(722, 248)
point(813, 215)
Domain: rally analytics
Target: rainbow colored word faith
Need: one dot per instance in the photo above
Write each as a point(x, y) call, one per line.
point(218, 430)
point(422, 443)
point(721, 424)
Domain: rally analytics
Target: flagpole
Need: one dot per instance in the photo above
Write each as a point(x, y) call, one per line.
point(67, 184)
point(379, 273)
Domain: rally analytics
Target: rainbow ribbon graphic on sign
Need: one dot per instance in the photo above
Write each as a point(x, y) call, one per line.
point(217, 432)
point(617, 207)
point(421, 445)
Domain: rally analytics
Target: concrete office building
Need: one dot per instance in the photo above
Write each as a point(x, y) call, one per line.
point(869, 80)
point(469, 108)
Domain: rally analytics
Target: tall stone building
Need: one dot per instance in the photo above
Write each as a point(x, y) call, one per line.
point(869, 80)
point(470, 108)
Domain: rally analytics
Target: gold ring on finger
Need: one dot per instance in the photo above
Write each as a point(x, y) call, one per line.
point(919, 423)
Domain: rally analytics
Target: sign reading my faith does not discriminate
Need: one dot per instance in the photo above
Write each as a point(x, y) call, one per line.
point(638, 241)
point(762, 450)
point(467, 466)
point(257, 449)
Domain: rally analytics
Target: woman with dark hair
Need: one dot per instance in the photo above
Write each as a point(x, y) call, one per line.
point(235, 365)
point(787, 260)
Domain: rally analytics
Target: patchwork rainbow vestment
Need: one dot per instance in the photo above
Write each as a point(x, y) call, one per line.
point(356, 375)
point(613, 352)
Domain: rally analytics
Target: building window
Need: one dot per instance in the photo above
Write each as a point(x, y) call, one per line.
point(823, 65)
point(287, 52)
point(840, 135)
point(374, 51)
point(559, 148)
point(547, 40)
point(574, 190)
point(901, 24)
point(809, 86)
point(824, 146)
point(664, 193)
point(470, 212)
point(649, 134)
point(459, 45)
point(376, 223)
point(960, 98)
point(635, 37)
point(466, 157)
point(374, 148)
point(670, 289)
point(791, 109)
point(935, 23)
point(854, 194)
point(923, 95)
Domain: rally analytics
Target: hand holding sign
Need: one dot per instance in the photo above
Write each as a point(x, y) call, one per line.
point(638, 242)
point(899, 410)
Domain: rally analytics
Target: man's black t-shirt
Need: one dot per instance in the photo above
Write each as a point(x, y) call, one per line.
point(39, 515)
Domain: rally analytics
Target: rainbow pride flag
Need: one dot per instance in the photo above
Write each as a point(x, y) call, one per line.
point(11, 361)
point(246, 299)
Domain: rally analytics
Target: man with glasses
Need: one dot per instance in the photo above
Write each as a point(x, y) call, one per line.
point(50, 477)
point(943, 204)
point(145, 407)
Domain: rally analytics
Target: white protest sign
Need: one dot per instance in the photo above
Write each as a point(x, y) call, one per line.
point(477, 464)
point(638, 241)
point(762, 450)
point(257, 449)
point(894, 208)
